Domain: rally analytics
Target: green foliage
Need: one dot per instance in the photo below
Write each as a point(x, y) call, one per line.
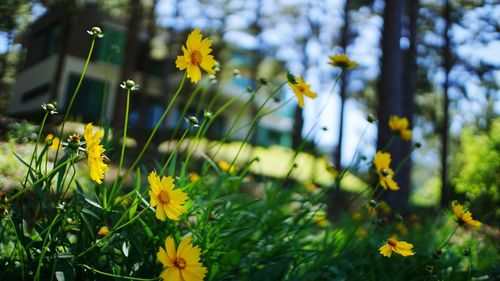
point(55, 223)
point(478, 162)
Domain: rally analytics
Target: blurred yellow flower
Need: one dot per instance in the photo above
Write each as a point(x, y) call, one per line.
point(196, 55)
point(342, 61)
point(181, 264)
point(382, 163)
point(361, 232)
point(53, 142)
point(402, 229)
point(400, 126)
point(194, 177)
point(356, 216)
point(385, 208)
point(95, 151)
point(311, 187)
point(398, 247)
point(463, 218)
point(226, 167)
point(103, 231)
point(301, 89)
point(320, 219)
point(167, 200)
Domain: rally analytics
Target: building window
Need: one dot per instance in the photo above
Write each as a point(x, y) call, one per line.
point(53, 36)
point(104, 46)
point(87, 104)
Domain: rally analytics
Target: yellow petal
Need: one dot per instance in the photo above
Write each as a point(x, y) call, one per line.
point(170, 248)
point(153, 198)
point(458, 210)
point(162, 257)
point(194, 273)
point(171, 274)
point(185, 242)
point(208, 64)
point(181, 62)
point(386, 250)
point(194, 40)
point(194, 73)
point(160, 213)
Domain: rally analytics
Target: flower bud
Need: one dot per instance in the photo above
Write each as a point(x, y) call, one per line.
point(96, 32)
point(192, 121)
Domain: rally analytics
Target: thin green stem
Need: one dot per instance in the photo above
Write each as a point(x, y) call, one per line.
point(19, 193)
point(174, 150)
point(124, 144)
point(153, 133)
point(33, 155)
point(77, 89)
point(117, 276)
point(45, 247)
point(449, 238)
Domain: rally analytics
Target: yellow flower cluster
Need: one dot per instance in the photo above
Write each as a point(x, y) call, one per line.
point(400, 126)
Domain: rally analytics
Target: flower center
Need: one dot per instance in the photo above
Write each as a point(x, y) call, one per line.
point(180, 263)
point(163, 197)
point(392, 242)
point(196, 57)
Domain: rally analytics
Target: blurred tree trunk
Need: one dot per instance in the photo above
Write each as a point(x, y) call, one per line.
point(344, 40)
point(445, 191)
point(130, 58)
point(390, 94)
point(298, 125)
point(409, 88)
point(144, 83)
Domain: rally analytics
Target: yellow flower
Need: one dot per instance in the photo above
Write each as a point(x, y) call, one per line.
point(53, 142)
point(95, 151)
point(194, 177)
point(320, 219)
point(182, 264)
point(402, 229)
point(361, 232)
point(398, 247)
point(382, 163)
point(385, 208)
point(342, 61)
point(356, 216)
point(103, 231)
point(167, 200)
point(400, 126)
point(301, 89)
point(463, 218)
point(226, 167)
point(196, 55)
point(311, 187)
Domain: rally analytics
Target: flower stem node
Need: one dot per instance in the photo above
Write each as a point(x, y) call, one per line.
point(50, 107)
point(264, 81)
point(129, 85)
point(208, 114)
point(96, 32)
point(373, 203)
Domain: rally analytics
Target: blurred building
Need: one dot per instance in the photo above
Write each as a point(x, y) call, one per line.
point(52, 67)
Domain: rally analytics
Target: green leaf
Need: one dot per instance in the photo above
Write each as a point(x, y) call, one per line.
point(93, 203)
